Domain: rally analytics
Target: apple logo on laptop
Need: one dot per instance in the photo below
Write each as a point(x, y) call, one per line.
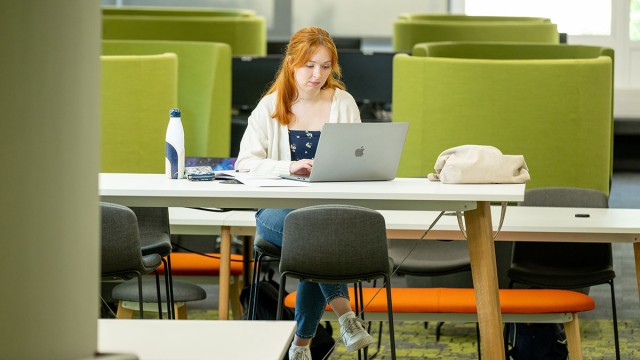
point(360, 151)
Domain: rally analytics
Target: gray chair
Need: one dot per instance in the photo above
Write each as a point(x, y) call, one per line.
point(565, 265)
point(121, 254)
point(183, 292)
point(337, 244)
point(155, 238)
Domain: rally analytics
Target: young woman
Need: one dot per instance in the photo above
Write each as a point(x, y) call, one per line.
point(281, 137)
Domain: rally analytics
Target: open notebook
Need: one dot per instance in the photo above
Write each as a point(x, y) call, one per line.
point(357, 152)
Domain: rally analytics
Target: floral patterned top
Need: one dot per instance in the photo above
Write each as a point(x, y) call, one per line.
point(303, 144)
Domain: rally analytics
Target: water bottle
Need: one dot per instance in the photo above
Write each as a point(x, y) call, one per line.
point(174, 156)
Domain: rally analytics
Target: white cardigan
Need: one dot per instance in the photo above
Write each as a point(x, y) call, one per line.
point(265, 144)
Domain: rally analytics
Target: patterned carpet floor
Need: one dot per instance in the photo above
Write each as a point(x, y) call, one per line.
point(458, 341)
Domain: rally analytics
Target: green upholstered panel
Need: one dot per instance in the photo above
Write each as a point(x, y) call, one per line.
point(557, 113)
point(247, 35)
point(173, 11)
point(204, 89)
point(470, 18)
point(504, 50)
point(137, 94)
point(407, 33)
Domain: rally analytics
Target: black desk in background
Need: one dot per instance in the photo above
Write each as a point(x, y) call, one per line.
point(353, 43)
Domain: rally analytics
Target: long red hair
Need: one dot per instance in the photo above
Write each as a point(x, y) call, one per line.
point(301, 47)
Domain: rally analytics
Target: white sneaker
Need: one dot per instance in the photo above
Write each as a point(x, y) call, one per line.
point(299, 353)
point(352, 331)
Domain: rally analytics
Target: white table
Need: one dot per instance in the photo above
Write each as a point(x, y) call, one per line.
point(196, 339)
point(550, 224)
point(399, 194)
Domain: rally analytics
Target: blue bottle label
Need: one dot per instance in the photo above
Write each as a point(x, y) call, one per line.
point(172, 156)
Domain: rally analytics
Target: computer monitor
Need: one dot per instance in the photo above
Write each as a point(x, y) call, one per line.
point(250, 78)
point(367, 75)
point(353, 43)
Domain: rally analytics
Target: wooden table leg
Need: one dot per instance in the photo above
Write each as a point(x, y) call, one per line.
point(574, 344)
point(485, 280)
point(225, 273)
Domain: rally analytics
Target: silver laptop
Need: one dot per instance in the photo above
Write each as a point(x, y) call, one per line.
point(357, 152)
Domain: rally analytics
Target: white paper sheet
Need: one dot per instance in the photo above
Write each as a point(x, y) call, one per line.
point(267, 180)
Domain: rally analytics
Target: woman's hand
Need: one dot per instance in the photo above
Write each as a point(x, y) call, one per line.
point(301, 167)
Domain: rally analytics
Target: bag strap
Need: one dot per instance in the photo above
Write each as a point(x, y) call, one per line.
point(503, 211)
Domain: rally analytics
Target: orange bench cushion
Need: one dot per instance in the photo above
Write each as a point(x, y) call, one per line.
point(191, 264)
point(450, 300)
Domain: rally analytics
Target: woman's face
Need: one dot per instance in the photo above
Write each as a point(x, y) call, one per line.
point(313, 74)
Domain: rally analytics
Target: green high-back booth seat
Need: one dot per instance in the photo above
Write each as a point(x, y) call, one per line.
point(411, 29)
point(175, 11)
point(204, 89)
point(490, 50)
point(137, 93)
point(454, 17)
point(244, 31)
point(554, 109)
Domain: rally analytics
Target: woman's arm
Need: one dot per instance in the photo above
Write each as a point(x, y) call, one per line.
point(260, 144)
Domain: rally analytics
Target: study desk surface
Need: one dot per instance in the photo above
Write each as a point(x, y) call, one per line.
point(196, 339)
point(398, 194)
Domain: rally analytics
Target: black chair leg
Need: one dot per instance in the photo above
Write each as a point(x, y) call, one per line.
point(379, 341)
point(439, 330)
point(167, 291)
point(283, 283)
point(168, 275)
point(253, 289)
point(357, 300)
point(159, 297)
point(478, 340)
point(140, 302)
point(392, 337)
point(615, 320)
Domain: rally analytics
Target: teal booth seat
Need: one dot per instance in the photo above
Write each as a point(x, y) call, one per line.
point(136, 95)
point(411, 29)
point(244, 31)
point(204, 90)
point(551, 107)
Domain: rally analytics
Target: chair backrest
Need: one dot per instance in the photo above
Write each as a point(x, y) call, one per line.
point(155, 234)
point(555, 112)
point(120, 242)
point(470, 18)
point(565, 197)
point(204, 89)
point(175, 11)
point(335, 243)
point(564, 254)
point(409, 30)
point(245, 33)
point(137, 94)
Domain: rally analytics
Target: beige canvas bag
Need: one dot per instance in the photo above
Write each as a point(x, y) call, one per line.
point(479, 164)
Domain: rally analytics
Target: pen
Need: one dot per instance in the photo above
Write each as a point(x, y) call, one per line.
point(242, 170)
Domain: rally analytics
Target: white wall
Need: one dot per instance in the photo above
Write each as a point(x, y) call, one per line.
point(359, 18)
point(49, 238)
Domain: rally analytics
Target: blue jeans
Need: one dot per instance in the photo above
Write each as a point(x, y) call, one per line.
point(312, 298)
